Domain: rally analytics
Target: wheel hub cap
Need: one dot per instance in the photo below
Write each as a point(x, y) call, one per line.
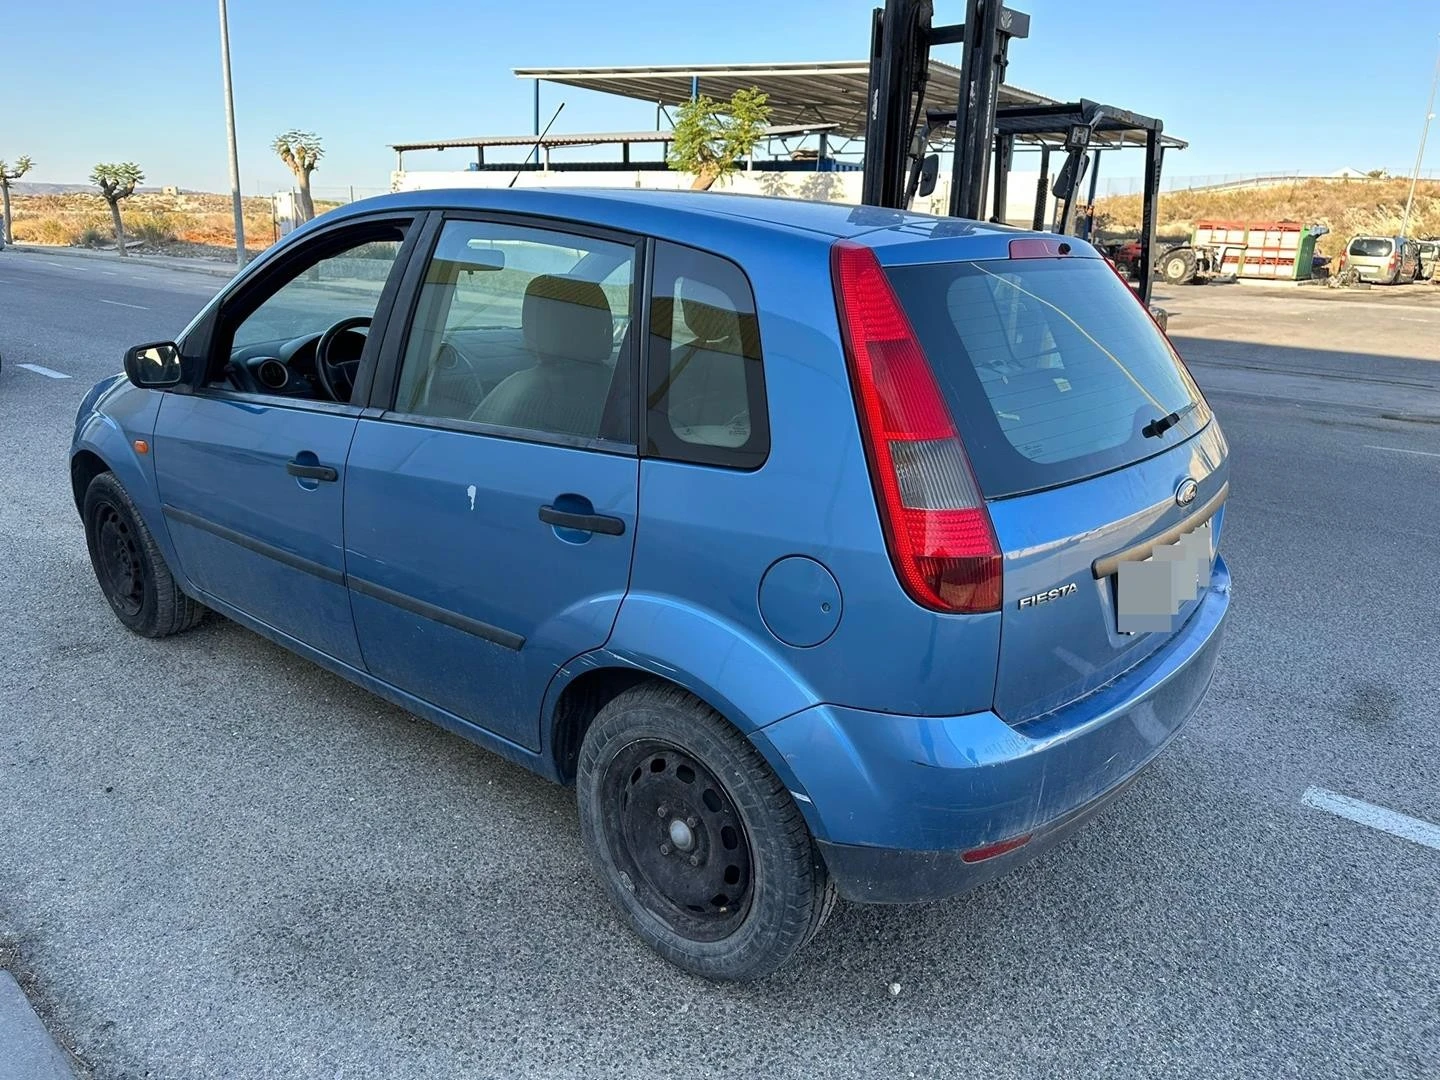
point(681, 836)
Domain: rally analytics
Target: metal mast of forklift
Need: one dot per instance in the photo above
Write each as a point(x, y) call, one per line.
point(900, 43)
point(898, 125)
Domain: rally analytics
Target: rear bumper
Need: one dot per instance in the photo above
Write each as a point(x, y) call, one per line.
point(896, 801)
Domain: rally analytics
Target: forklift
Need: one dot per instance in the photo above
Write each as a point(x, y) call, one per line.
point(900, 127)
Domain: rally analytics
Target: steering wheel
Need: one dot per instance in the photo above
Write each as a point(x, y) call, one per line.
point(337, 379)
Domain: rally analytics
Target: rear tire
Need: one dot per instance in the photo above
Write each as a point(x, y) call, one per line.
point(695, 838)
point(128, 564)
point(1178, 267)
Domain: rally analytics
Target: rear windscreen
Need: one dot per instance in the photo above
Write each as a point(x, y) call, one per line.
point(1374, 247)
point(1051, 368)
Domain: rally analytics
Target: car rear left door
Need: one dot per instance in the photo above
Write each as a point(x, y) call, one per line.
point(490, 510)
point(250, 476)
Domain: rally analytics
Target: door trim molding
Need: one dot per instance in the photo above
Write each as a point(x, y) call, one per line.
point(250, 543)
point(495, 634)
point(505, 638)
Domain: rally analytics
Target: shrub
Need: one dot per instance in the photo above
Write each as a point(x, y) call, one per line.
point(47, 230)
point(92, 236)
point(153, 230)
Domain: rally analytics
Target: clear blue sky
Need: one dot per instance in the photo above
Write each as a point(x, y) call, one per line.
point(1257, 85)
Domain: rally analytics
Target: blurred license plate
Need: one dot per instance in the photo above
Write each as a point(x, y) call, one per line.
point(1150, 594)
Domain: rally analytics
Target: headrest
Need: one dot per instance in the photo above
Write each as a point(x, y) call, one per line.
point(565, 318)
point(709, 314)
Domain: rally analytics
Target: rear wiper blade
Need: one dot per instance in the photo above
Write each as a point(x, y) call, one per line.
point(1161, 424)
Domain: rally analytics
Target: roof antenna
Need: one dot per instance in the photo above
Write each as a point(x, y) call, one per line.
point(540, 139)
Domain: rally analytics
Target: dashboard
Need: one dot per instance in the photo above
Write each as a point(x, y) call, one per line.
point(287, 368)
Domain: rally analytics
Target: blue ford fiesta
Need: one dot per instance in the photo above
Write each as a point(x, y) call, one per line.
point(827, 551)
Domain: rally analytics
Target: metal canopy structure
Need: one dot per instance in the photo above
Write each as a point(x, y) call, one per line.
point(1048, 125)
point(589, 138)
point(821, 92)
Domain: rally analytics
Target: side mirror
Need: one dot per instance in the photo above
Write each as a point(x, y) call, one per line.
point(153, 367)
point(1067, 181)
point(929, 174)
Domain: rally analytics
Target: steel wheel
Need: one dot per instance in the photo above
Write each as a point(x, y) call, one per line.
point(679, 840)
point(122, 574)
point(133, 576)
point(697, 842)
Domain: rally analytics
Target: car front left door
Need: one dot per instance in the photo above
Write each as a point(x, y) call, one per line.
point(250, 466)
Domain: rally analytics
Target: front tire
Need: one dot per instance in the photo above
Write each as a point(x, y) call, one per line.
point(128, 564)
point(696, 839)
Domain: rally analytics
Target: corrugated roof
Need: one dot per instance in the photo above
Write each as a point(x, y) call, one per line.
point(824, 91)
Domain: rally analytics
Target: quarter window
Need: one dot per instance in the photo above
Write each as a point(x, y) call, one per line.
point(523, 329)
point(705, 392)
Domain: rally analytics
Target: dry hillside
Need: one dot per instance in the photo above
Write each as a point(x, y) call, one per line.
point(185, 224)
point(1347, 207)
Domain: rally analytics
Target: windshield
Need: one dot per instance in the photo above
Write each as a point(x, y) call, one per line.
point(1373, 247)
point(1051, 368)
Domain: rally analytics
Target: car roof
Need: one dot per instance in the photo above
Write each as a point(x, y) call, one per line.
point(646, 210)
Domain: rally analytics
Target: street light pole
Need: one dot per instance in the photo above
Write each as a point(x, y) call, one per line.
point(1424, 133)
point(230, 135)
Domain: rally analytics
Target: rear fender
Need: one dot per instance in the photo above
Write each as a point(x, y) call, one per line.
point(717, 660)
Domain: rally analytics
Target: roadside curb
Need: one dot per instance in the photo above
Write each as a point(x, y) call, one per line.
point(167, 262)
point(30, 1052)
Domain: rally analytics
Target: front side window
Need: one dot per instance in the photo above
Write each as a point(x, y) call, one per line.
point(524, 329)
point(705, 389)
point(303, 337)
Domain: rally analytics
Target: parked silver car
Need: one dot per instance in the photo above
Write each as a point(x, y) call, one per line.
point(1384, 260)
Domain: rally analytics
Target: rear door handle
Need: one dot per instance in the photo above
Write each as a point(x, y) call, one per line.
point(594, 523)
point(311, 472)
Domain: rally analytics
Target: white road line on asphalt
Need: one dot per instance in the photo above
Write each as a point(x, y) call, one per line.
point(1376, 817)
point(117, 303)
point(49, 373)
point(62, 266)
point(1402, 450)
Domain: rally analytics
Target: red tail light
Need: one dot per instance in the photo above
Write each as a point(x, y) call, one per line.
point(936, 524)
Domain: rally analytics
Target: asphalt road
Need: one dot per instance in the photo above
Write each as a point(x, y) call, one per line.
point(216, 860)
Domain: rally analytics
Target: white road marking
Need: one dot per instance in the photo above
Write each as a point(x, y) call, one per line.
point(117, 303)
point(62, 266)
point(1376, 817)
point(1402, 450)
point(49, 373)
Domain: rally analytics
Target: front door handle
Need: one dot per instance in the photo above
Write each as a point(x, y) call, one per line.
point(593, 523)
point(311, 472)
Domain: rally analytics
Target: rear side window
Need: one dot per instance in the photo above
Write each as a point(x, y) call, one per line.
point(705, 387)
point(1372, 247)
point(1050, 367)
